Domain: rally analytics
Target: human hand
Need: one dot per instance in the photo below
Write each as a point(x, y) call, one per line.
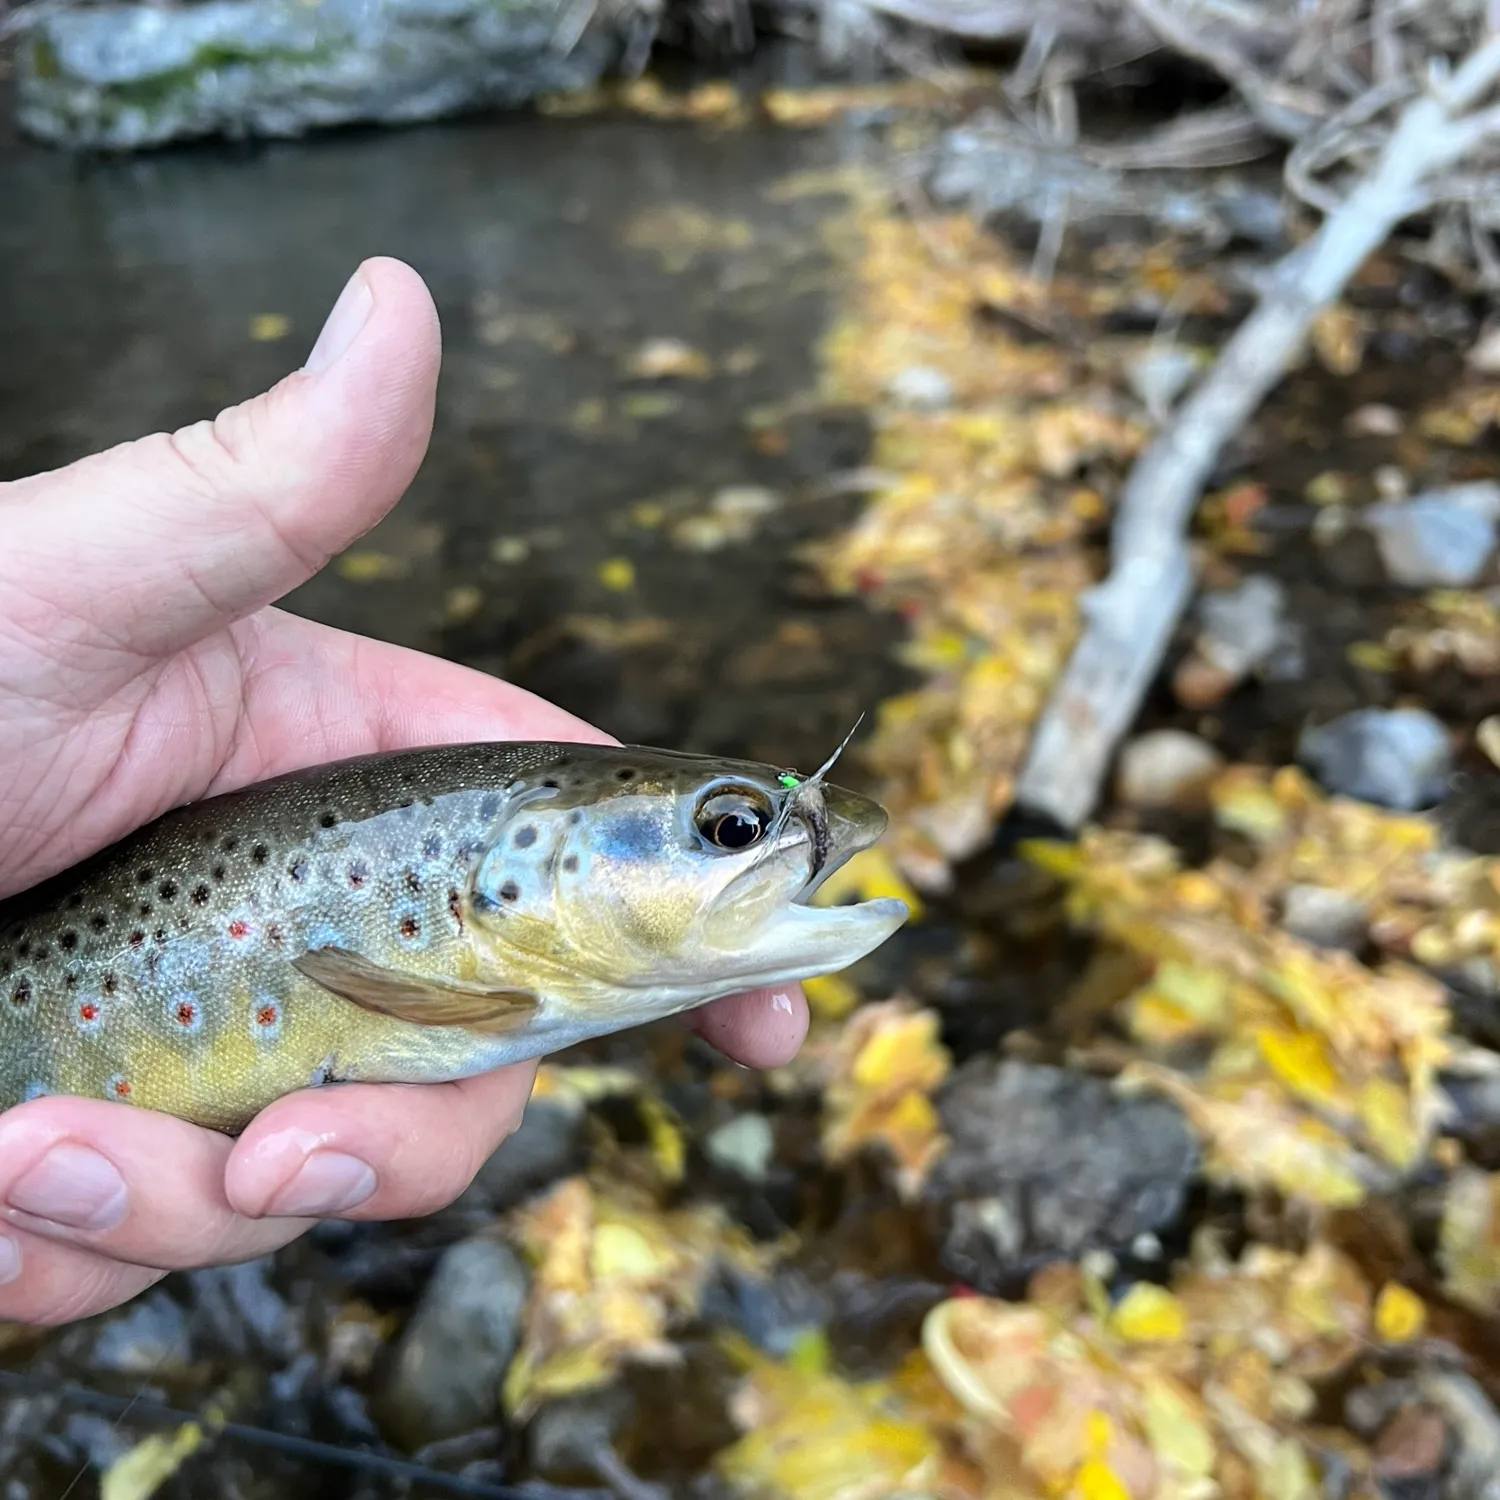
point(141, 667)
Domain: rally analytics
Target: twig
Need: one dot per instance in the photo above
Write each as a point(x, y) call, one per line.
point(1129, 619)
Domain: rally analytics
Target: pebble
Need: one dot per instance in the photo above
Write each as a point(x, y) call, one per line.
point(1167, 768)
point(150, 1337)
point(1438, 539)
point(1398, 757)
point(1047, 1164)
point(1324, 918)
point(1240, 630)
point(745, 1145)
point(921, 387)
point(452, 1356)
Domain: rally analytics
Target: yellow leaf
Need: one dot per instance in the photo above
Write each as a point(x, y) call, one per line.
point(268, 328)
point(372, 567)
point(1149, 1314)
point(1400, 1315)
point(1300, 1060)
point(146, 1467)
point(1174, 1427)
point(1386, 1110)
point(831, 996)
point(1097, 1481)
point(668, 1144)
point(866, 877)
point(617, 574)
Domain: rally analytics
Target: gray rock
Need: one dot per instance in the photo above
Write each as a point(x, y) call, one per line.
point(150, 1337)
point(745, 1145)
point(123, 77)
point(1047, 1164)
point(922, 388)
point(1394, 757)
point(1167, 768)
point(1243, 628)
point(1438, 539)
point(451, 1359)
point(548, 1145)
point(1325, 918)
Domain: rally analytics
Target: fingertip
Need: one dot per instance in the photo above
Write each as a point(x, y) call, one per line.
point(760, 1029)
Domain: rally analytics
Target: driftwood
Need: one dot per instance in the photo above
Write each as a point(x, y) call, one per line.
point(1131, 617)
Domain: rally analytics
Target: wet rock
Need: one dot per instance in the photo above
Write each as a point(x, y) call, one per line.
point(238, 1311)
point(1167, 769)
point(1325, 918)
point(548, 1145)
point(1473, 1471)
point(149, 1337)
point(573, 1441)
point(123, 77)
point(452, 1356)
point(1046, 1164)
point(1439, 539)
point(745, 1145)
point(1394, 757)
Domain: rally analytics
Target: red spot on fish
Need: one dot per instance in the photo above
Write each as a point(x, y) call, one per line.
point(239, 929)
point(266, 1016)
point(122, 1089)
point(88, 1012)
point(867, 580)
point(409, 928)
point(187, 1013)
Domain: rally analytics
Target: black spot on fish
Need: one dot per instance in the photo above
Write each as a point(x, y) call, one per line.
point(209, 835)
point(68, 941)
point(229, 844)
point(218, 872)
point(260, 854)
point(167, 890)
point(576, 816)
point(328, 820)
point(71, 979)
point(99, 922)
point(570, 864)
point(625, 773)
point(550, 784)
point(298, 870)
point(456, 909)
point(160, 935)
point(145, 876)
point(510, 891)
point(200, 895)
point(410, 927)
point(43, 953)
point(359, 873)
point(145, 908)
point(21, 995)
point(413, 882)
point(75, 901)
point(109, 984)
point(24, 949)
point(137, 938)
point(526, 837)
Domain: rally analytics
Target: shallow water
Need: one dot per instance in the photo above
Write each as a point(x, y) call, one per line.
point(129, 294)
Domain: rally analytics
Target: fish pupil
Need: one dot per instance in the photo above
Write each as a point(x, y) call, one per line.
point(736, 830)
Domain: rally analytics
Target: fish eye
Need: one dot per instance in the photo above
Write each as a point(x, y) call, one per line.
point(733, 819)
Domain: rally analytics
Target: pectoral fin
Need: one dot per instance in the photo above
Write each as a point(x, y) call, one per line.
point(416, 997)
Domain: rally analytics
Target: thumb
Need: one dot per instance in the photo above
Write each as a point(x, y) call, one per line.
point(144, 549)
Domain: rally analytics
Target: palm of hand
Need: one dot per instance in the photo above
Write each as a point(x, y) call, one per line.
point(141, 666)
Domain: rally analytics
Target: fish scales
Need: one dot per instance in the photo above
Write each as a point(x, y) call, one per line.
point(163, 972)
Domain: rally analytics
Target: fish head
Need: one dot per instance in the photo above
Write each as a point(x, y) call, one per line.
point(685, 877)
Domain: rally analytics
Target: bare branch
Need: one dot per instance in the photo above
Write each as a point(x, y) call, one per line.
point(1129, 619)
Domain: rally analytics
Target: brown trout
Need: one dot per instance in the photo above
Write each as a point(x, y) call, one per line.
point(420, 916)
